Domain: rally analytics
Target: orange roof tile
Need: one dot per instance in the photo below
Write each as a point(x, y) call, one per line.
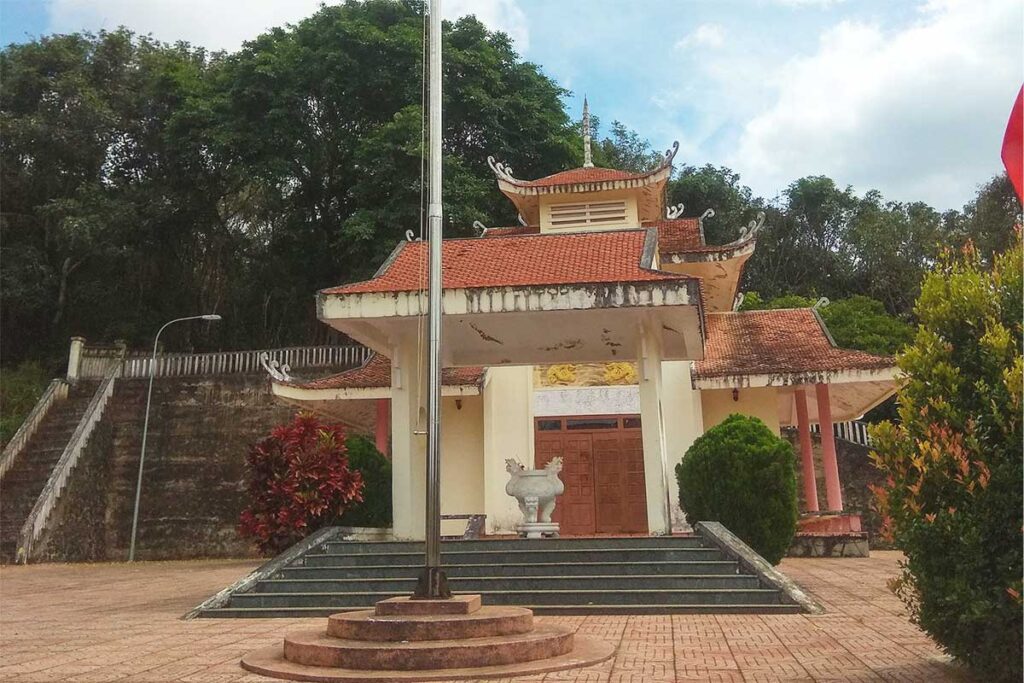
point(678, 235)
point(520, 261)
point(783, 341)
point(376, 373)
point(581, 175)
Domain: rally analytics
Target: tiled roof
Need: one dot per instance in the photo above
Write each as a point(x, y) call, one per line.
point(678, 235)
point(785, 341)
point(513, 230)
point(581, 175)
point(376, 373)
point(519, 261)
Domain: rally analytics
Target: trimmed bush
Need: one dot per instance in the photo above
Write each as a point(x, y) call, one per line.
point(952, 498)
point(741, 474)
point(375, 510)
point(299, 481)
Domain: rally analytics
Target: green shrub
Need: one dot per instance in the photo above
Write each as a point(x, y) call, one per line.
point(20, 389)
point(741, 474)
point(375, 510)
point(952, 495)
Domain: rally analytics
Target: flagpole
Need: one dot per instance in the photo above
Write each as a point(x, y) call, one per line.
point(433, 584)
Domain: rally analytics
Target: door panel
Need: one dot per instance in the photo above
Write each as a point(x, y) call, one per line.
point(603, 473)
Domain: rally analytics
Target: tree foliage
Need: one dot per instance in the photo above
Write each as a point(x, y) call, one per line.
point(299, 481)
point(952, 498)
point(143, 181)
point(757, 500)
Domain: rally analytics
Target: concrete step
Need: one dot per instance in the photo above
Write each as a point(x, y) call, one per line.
point(498, 556)
point(511, 583)
point(546, 597)
point(590, 609)
point(384, 571)
point(602, 543)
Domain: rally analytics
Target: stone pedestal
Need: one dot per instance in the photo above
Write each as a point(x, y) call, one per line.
point(428, 640)
point(538, 529)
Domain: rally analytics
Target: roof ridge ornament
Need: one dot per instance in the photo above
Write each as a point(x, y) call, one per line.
point(821, 303)
point(675, 211)
point(753, 227)
point(588, 161)
point(500, 169)
point(708, 213)
point(479, 227)
point(275, 368)
point(670, 154)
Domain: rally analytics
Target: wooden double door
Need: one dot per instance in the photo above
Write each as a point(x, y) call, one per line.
point(603, 472)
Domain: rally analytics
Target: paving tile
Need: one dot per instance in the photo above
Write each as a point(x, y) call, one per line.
point(116, 622)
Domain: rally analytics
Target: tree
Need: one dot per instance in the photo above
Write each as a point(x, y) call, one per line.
point(988, 220)
point(952, 498)
point(718, 188)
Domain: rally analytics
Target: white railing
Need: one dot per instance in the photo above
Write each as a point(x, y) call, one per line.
point(134, 365)
point(56, 391)
point(853, 431)
point(36, 522)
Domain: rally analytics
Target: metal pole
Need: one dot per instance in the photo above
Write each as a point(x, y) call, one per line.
point(433, 584)
point(145, 426)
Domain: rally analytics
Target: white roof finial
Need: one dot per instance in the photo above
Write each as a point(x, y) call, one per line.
point(588, 162)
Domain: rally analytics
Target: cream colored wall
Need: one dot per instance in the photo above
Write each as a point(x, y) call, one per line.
point(462, 460)
point(760, 402)
point(632, 214)
point(508, 433)
point(684, 422)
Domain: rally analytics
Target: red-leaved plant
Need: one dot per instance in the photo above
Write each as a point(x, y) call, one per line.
point(299, 482)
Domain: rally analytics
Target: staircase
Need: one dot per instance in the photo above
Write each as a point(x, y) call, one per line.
point(638, 575)
point(22, 484)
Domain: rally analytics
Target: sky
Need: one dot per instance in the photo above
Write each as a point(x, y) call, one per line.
point(909, 97)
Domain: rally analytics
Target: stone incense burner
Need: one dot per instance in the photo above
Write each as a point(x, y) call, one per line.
point(535, 490)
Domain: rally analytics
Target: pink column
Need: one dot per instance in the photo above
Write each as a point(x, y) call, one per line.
point(806, 453)
point(833, 491)
point(383, 431)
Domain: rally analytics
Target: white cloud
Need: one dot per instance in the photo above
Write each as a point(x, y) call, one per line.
point(214, 24)
point(918, 113)
point(497, 15)
point(705, 35)
point(807, 3)
point(226, 24)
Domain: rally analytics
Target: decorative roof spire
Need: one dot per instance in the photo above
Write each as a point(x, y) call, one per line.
point(588, 162)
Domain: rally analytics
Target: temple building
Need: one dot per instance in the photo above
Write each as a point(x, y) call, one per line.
point(601, 330)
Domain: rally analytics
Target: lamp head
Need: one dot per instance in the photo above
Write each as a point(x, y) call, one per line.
point(211, 316)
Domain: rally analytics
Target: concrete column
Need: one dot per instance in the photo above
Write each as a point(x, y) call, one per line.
point(383, 426)
point(684, 422)
point(408, 449)
point(653, 430)
point(833, 491)
point(75, 357)
point(806, 452)
point(508, 433)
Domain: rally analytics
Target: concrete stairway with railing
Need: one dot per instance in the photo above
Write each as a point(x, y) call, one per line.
point(636, 575)
point(22, 484)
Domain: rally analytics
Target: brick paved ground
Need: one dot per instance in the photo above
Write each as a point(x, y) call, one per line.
point(118, 622)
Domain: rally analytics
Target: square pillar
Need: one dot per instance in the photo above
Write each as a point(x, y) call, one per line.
point(508, 433)
point(656, 476)
point(684, 423)
point(806, 452)
point(833, 491)
point(408, 449)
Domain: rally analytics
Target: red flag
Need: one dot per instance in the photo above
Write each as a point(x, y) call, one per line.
point(1013, 145)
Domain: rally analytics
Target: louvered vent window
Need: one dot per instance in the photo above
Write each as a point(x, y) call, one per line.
point(595, 214)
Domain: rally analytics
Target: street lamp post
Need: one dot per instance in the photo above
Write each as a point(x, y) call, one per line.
point(145, 424)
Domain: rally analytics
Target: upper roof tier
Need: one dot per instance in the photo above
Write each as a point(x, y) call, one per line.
point(642, 192)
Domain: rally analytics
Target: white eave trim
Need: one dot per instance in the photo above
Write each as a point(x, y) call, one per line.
point(291, 392)
point(890, 374)
point(726, 252)
point(575, 297)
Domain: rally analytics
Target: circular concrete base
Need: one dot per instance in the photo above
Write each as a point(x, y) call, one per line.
point(270, 661)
